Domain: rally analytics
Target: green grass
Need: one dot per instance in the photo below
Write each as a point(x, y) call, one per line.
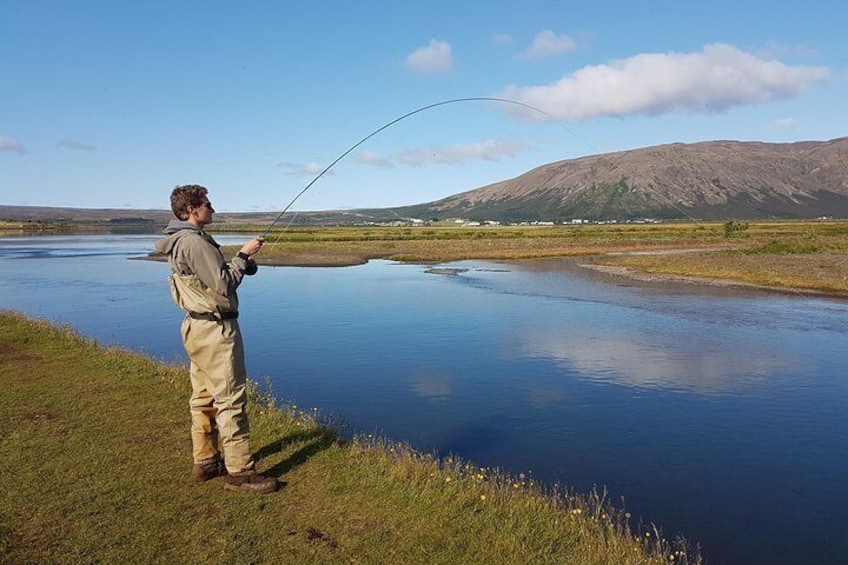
point(96, 457)
point(792, 256)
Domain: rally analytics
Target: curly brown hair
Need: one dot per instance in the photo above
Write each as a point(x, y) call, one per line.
point(187, 195)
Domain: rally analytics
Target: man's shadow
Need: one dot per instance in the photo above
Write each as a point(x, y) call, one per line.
point(315, 441)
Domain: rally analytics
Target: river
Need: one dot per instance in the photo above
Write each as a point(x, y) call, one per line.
point(715, 413)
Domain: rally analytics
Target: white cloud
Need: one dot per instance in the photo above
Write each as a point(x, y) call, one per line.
point(548, 44)
point(773, 50)
point(489, 150)
point(718, 77)
point(9, 144)
point(786, 123)
point(372, 158)
point(502, 40)
point(435, 58)
point(73, 145)
point(304, 169)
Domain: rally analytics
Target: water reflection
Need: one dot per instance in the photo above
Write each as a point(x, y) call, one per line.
point(543, 397)
point(702, 368)
point(432, 385)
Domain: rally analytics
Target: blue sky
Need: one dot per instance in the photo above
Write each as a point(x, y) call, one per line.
point(113, 103)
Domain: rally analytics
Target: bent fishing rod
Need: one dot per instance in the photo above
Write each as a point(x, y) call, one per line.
point(430, 107)
point(386, 126)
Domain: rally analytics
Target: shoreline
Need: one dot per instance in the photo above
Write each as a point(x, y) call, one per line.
point(584, 262)
point(646, 277)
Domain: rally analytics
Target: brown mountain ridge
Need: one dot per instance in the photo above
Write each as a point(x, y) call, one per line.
point(706, 180)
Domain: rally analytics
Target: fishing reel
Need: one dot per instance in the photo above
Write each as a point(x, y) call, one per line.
point(251, 267)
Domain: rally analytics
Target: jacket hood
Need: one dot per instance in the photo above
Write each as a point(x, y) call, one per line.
point(174, 231)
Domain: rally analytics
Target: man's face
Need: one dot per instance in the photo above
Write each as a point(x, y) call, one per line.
point(202, 214)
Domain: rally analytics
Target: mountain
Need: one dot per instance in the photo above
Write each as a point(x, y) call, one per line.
point(707, 180)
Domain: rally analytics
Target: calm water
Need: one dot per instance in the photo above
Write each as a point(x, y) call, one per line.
point(719, 415)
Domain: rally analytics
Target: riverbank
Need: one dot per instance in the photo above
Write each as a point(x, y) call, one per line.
point(96, 470)
point(823, 275)
point(789, 257)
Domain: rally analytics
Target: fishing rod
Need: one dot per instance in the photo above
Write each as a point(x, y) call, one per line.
point(388, 125)
point(418, 111)
point(411, 113)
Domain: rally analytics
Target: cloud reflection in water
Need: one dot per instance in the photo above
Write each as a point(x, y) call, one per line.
point(434, 386)
point(700, 367)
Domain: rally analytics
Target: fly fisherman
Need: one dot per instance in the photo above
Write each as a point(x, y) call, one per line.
point(204, 285)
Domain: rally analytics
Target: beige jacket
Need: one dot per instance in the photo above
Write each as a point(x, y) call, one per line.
point(202, 281)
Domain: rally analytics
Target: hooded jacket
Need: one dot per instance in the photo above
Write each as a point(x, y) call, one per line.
point(202, 281)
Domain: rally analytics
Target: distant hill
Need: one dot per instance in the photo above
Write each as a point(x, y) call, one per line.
point(57, 214)
point(157, 219)
point(708, 180)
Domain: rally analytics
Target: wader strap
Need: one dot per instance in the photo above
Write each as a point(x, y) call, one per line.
point(214, 317)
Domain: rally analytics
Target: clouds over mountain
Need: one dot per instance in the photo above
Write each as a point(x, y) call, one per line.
point(74, 145)
point(548, 44)
point(11, 145)
point(487, 150)
point(303, 169)
point(434, 58)
point(717, 78)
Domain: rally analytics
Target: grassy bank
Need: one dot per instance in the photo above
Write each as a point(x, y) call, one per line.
point(797, 256)
point(311, 246)
point(96, 461)
point(793, 255)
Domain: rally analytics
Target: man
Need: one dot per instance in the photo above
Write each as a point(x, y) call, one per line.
point(204, 285)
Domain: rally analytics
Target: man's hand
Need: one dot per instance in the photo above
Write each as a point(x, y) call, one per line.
point(252, 246)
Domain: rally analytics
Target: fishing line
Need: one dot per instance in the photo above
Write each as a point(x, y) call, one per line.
point(423, 109)
point(390, 124)
point(411, 113)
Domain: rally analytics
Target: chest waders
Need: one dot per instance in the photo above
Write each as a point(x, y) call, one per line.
point(218, 403)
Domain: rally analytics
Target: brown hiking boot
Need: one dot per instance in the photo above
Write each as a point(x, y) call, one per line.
point(208, 469)
point(251, 481)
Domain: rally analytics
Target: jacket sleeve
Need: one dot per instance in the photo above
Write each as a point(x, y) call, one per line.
point(207, 262)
